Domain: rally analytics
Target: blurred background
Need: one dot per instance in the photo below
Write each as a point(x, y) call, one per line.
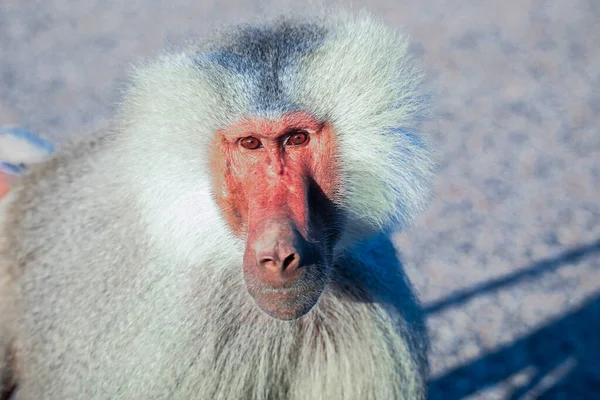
point(507, 258)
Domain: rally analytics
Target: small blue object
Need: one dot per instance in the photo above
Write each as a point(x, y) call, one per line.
point(28, 136)
point(38, 145)
point(11, 169)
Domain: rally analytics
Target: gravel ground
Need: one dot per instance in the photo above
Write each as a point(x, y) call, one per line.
point(507, 258)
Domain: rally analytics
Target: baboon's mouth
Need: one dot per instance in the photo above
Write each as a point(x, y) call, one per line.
point(288, 303)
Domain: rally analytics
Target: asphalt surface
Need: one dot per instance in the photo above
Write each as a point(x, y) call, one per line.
point(507, 258)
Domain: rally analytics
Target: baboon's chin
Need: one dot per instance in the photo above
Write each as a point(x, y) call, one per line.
point(287, 304)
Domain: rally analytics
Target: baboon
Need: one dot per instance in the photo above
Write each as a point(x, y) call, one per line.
point(228, 236)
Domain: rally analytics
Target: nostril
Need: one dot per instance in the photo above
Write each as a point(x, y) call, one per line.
point(290, 261)
point(268, 263)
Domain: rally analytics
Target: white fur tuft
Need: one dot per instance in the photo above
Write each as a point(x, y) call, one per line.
point(362, 81)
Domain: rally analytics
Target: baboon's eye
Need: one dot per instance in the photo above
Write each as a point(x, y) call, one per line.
point(297, 138)
point(250, 143)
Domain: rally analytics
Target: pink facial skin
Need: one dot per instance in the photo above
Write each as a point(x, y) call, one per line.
point(271, 179)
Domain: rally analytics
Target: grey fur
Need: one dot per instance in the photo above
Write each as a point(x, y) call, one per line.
point(125, 281)
point(265, 57)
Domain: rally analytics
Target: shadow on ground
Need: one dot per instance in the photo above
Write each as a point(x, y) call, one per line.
point(560, 360)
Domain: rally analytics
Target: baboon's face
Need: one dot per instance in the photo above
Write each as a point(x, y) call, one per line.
point(275, 181)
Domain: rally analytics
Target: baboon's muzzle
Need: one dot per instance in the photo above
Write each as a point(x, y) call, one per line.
point(284, 272)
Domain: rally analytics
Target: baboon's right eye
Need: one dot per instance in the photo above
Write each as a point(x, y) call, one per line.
point(250, 143)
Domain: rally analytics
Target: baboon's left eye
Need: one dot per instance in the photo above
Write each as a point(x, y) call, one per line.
point(297, 138)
